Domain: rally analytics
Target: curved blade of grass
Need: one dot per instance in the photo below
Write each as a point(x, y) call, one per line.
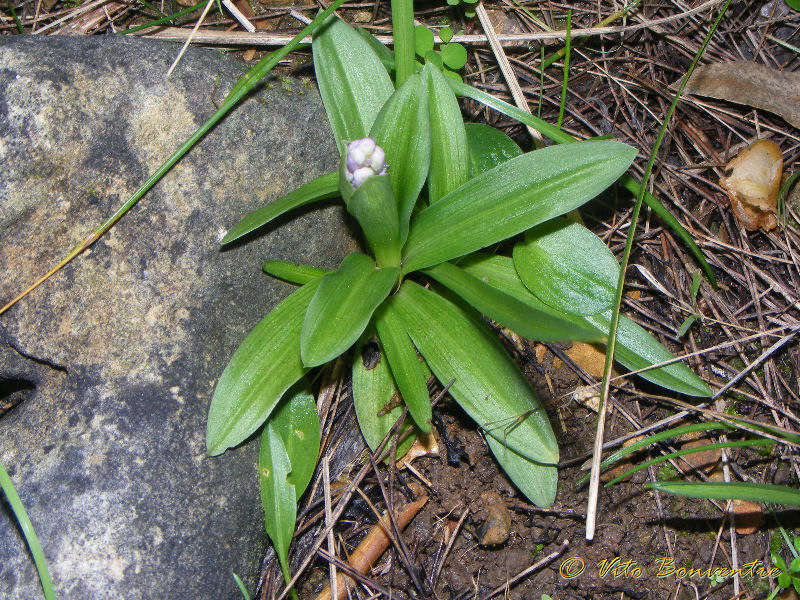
point(658, 437)
point(18, 509)
point(488, 147)
point(536, 481)
point(704, 447)
point(518, 316)
point(567, 267)
point(278, 496)
point(402, 129)
point(449, 167)
point(239, 91)
point(561, 137)
point(755, 492)
point(594, 482)
point(407, 371)
point(322, 188)
point(342, 307)
point(241, 587)
point(264, 366)
point(292, 272)
point(512, 197)
point(488, 385)
point(165, 19)
point(352, 81)
point(375, 395)
point(296, 421)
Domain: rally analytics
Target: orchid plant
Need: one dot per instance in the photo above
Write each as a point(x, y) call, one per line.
point(431, 194)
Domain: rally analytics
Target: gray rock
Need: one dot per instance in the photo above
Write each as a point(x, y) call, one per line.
point(117, 356)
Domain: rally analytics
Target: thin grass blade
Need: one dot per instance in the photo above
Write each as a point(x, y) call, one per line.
point(295, 273)
point(18, 509)
point(755, 492)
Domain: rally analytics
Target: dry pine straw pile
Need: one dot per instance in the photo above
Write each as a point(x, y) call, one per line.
point(619, 84)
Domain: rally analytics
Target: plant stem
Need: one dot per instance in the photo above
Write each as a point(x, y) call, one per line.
point(166, 19)
point(403, 30)
point(566, 73)
point(594, 484)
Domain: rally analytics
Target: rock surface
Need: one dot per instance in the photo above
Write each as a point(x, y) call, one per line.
point(117, 356)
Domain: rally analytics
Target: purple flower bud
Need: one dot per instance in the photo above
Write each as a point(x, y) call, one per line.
point(364, 159)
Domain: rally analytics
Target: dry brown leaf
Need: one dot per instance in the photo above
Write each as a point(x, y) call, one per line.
point(751, 84)
point(753, 185)
point(424, 445)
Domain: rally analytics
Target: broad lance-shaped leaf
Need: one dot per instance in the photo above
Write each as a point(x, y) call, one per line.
point(265, 365)
point(538, 482)
point(342, 307)
point(509, 311)
point(375, 395)
point(278, 497)
point(408, 372)
point(296, 421)
point(322, 188)
point(635, 347)
point(352, 81)
point(402, 129)
point(512, 197)
point(488, 147)
point(487, 384)
point(449, 155)
point(568, 267)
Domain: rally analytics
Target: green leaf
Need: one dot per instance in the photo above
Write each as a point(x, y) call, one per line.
point(402, 129)
point(687, 322)
point(296, 421)
point(794, 4)
point(538, 482)
point(374, 207)
point(449, 166)
point(264, 366)
point(487, 384)
point(755, 492)
point(454, 56)
point(568, 267)
point(423, 40)
point(28, 532)
point(278, 497)
point(510, 312)
point(375, 394)
point(697, 278)
point(512, 197)
point(445, 34)
point(386, 56)
point(292, 272)
point(407, 371)
point(488, 147)
point(352, 81)
point(342, 307)
point(637, 349)
point(562, 137)
point(321, 188)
